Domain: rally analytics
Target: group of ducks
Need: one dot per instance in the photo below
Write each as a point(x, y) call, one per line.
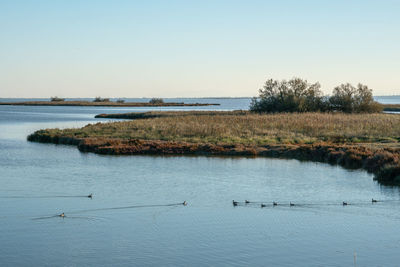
point(235, 203)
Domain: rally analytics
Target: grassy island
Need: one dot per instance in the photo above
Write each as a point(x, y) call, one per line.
point(368, 141)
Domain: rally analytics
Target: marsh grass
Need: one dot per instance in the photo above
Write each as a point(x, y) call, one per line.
point(251, 129)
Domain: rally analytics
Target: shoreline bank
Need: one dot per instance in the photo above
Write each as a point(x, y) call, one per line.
point(383, 163)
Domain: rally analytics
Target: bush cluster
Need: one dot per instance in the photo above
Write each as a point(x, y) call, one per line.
point(297, 95)
point(156, 101)
point(56, 99)
point(99, 99)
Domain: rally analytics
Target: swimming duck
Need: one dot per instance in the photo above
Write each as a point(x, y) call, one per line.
point(246, 201)
point(345, 203)
point(90, 196)
point(263, 205)
point(234, 203)
point(274, 203)
point(291, 204)
point(184, 203)
point(374, 200)
point(62, 215)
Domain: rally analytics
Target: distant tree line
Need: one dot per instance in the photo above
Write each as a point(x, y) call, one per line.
point(297, 95)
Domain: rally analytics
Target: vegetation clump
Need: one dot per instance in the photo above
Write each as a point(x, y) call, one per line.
point(156, 101)
point(350, 99)
point(297, 95)
point(56, 99)
point(99, 99)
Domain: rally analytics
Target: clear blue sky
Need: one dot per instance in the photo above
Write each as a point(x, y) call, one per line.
point(173, 48)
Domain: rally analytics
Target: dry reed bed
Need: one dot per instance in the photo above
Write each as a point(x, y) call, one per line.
point(251, 129)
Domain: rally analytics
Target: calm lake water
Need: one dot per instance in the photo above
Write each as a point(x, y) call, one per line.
point(110, 230)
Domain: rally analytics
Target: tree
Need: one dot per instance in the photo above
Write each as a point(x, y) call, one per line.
point(295, 95)
point(347, 98)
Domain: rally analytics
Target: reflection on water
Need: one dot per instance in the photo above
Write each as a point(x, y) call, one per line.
point(132, 218)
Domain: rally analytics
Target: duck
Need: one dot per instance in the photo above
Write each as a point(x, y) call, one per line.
point(184, 203)
point(374, 200)
point(247, 201)
point(90, 196)
point(62, 215)
point(274, 203)
point(235, 203)
point(291, 204)
point(345, 203)
point(263, 205)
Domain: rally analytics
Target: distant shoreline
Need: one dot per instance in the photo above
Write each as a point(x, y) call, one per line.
point(105, 104)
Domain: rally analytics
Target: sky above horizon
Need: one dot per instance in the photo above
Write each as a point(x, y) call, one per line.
point(194, 48)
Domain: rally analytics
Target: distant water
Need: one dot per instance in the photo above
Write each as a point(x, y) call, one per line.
point(225, 103)
point(207, 232)
point(388, 99)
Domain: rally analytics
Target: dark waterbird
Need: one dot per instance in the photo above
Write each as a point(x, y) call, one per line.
point(291, 204)
point(90, 196)
point(263, 205)
point(235, 203)
point(247, 201)
point(274, 204)
point(344, 203)
point(374, 200)
point(62, 215)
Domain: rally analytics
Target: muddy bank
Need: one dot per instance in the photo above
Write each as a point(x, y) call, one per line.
point(384, 163)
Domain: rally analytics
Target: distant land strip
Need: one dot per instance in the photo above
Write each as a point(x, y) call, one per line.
point(164, 114)
point(106, 104)
point(391, 107)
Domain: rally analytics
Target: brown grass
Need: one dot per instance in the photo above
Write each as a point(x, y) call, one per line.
point(252, 129)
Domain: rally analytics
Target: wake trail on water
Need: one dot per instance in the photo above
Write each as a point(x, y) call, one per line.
point(50, 196)
point(66, 214)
